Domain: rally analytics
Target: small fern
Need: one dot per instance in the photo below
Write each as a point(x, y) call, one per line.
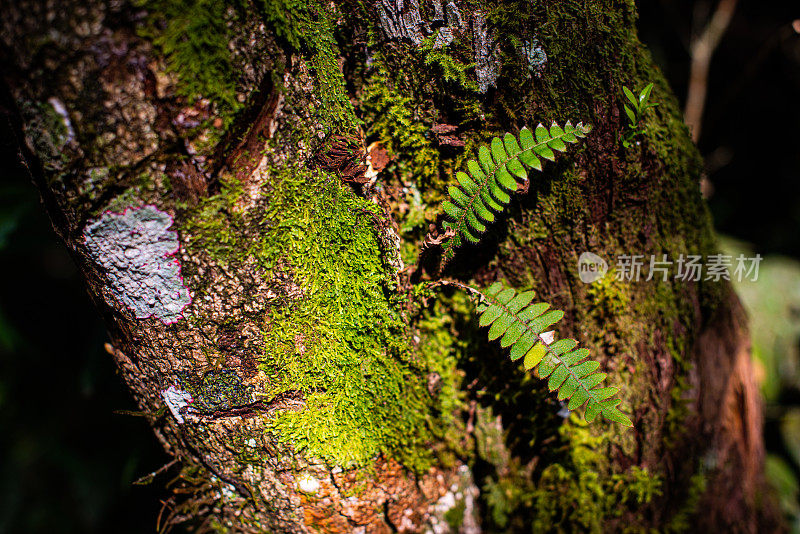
point(485, 189)
point(521, 326)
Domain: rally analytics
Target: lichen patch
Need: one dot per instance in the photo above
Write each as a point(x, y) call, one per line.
point(176, 399)
point(135, 249)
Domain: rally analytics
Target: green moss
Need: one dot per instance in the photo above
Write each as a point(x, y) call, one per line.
point(286, 17)
point(397, 120)
point(581, 493)
point(452, 70)
point(342, 341)
point(47, 132)
point(441, 347)
point(194, 36)
point(455, 515)
point(681, 520)
point(608, 296)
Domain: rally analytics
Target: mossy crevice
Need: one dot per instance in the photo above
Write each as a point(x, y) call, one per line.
point(342, 340)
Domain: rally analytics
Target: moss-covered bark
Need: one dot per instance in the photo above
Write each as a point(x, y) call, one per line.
point(330, 391)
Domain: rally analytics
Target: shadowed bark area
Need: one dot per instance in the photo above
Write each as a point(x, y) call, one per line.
point(280, 163)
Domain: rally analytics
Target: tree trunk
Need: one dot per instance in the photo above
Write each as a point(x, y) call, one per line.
point(204, 163)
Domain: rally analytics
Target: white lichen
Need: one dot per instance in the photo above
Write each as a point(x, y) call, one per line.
point(535, 56)
point(136, 252)
point(175, 399)
point(487, 65)
point(61, 109)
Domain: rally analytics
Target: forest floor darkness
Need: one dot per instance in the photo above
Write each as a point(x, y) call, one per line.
point(67, 462)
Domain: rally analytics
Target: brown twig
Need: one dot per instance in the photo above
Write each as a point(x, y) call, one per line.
point(701, 50)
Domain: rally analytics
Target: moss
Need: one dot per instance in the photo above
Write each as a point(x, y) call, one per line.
point(455, 515)
point(335, 110)
point(681, 520)
point(194, 37)
point(286, 17)
point(441, 347)
point(48, 134)
point(397, 120)
point(581, 493)
point(343, 343)
point(452, 70)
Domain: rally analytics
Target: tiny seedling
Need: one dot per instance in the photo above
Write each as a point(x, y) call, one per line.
point(634, 109)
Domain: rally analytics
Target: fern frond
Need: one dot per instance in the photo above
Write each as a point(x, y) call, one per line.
point(484, 189)
point(521, 326)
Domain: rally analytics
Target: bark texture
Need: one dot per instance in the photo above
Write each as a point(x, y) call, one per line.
point(311, 384)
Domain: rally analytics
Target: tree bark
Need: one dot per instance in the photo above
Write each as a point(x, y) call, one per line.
point(206, 166)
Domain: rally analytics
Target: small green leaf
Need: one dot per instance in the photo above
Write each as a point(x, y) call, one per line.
point(555, 130)
point(458, 195)
point(557, 378)
point(475, 171)
point(557, 145)
point(451, 209)
point(546, 366)
point(498, 152)
point(499, 326)
point(631, 115)
point(520, 301)
point(490, 202)
point(488, 317)
point(498, 193)
point(515, 167)
point(534, 311)
point(522, 346)
point(578, 399)
point(545, 152)
point(542, 135)
point(529, 159)
point(568, 388)
point(613, 414)
point(545, 321)
point(474, 222)
point(562, 345)
point(585, 368)
point(645, 94)
point(510, 144)
point(513, 333)
point(486, 159)
point(526, 139)
point(505, 179)
point(505, 296)
point(629, 95)
point(494, 289)
point(534, 356)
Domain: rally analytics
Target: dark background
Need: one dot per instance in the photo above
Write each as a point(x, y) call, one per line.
point(67, 462)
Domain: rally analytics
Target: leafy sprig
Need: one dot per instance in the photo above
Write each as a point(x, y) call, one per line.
point(501, 169)
point(634, 109)
point(521, 326)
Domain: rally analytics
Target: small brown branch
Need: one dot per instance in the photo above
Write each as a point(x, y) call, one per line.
point(702, 49)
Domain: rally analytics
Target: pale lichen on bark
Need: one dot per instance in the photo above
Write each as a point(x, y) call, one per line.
point(135, 249)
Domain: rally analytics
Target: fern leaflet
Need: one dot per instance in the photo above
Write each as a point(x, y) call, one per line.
point(501, 165)
point(521, 326)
